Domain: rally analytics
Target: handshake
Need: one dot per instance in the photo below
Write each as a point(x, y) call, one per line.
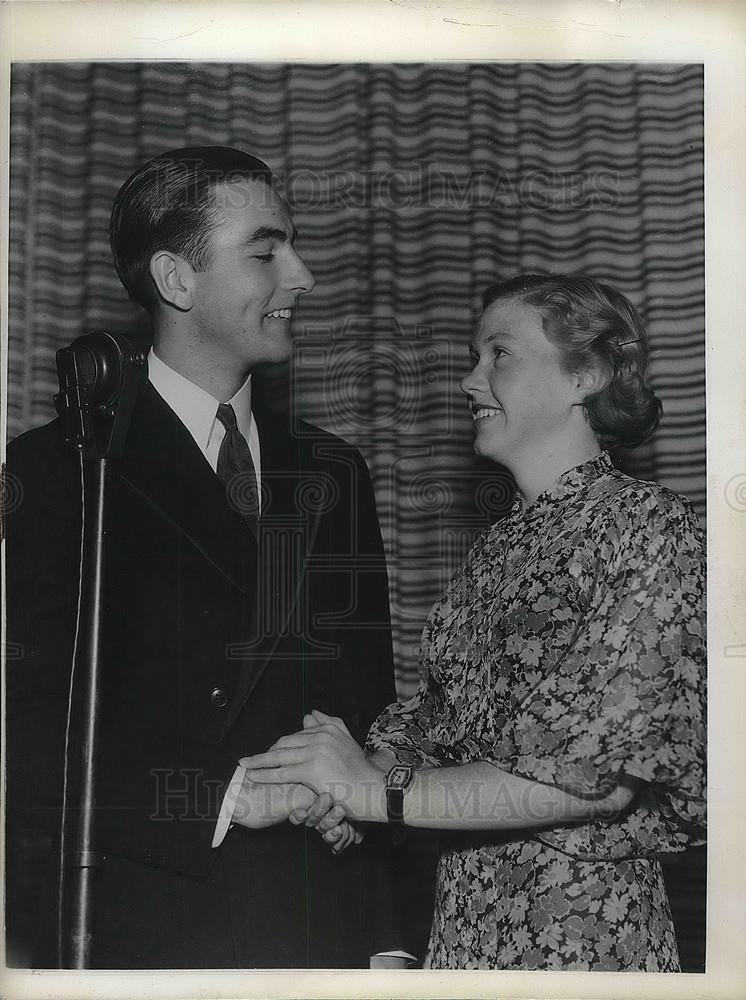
point(329, 818)
point(307, 778)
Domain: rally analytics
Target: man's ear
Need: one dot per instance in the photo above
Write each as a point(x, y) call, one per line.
point(173, 278)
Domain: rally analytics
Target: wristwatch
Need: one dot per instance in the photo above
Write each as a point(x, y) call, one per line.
point(398, 781)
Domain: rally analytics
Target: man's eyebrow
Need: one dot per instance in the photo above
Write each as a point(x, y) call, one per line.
point(268, 233)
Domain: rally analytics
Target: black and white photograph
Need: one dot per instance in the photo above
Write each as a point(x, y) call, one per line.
point(356, 518)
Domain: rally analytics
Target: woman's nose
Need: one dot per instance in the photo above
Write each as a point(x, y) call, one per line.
point(470, 382)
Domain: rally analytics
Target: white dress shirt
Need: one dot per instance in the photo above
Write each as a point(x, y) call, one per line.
point(197, 410)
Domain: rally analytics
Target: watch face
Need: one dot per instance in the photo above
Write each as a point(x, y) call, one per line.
point(399, 776)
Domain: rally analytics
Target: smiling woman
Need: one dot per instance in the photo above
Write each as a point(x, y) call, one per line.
point(559, 722)
point(527, 408)
point(559, 369)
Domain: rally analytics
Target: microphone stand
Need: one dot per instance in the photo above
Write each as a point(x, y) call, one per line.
point(100, 376)
point(85, 859)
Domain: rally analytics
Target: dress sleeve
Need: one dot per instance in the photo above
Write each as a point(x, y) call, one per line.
point(413, 730)
point(628, 694)
point(406, 728)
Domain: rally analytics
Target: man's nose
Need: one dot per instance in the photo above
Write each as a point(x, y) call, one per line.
point(299, 278)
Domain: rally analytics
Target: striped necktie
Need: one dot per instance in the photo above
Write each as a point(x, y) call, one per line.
point(236, 469)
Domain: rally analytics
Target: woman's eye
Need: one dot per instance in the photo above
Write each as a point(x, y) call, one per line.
point(265, 258)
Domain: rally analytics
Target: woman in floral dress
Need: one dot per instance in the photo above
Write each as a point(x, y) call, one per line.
point(559, 723)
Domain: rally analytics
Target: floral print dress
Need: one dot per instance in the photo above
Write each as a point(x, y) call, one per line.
point(568, 650)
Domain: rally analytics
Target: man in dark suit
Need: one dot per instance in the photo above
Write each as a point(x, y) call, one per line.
point(245, 586)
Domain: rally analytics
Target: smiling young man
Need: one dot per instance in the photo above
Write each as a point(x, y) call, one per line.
point(227, 611)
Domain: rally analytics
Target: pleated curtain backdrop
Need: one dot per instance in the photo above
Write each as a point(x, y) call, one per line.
point(413, 188)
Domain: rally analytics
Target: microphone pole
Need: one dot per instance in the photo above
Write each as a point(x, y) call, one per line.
point(100, 376)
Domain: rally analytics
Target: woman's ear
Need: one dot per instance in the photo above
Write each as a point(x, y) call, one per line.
point(173, 279)
point(591, 380)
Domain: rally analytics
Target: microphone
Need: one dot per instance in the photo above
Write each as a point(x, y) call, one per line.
point(100, 376)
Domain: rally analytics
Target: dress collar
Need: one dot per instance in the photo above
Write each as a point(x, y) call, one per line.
point(568, 484)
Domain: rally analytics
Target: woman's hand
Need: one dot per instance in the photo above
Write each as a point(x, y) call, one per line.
point(329, 820)
point(325, 758)
point(323, 814)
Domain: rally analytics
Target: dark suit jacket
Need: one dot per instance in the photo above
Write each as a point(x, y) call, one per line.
point(213, 648)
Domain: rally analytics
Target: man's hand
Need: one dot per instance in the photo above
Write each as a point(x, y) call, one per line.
point(325, 758)
point(259, 806)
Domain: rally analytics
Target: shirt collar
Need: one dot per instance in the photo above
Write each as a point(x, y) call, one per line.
point(194, 406)
point(568, 484)
point(241, 403)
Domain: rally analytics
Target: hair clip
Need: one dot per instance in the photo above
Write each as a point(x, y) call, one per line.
point(624, 343)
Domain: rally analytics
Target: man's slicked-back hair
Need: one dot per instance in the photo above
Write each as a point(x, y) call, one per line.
point(169, 204)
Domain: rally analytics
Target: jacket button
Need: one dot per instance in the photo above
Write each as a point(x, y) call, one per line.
point(219, 698)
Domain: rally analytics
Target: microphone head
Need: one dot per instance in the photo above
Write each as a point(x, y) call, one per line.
point(85, 365)
point(96, 361)
point(100, 375)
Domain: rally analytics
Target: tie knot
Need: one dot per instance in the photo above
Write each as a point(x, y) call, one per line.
point(227, 417)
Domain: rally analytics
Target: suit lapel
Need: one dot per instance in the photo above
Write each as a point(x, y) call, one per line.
point(164, 466)
point(287, 534)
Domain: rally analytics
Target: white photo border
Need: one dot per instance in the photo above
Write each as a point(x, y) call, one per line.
point(712, 33)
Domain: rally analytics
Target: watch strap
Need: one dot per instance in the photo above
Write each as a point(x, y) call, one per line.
point(398, 780)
